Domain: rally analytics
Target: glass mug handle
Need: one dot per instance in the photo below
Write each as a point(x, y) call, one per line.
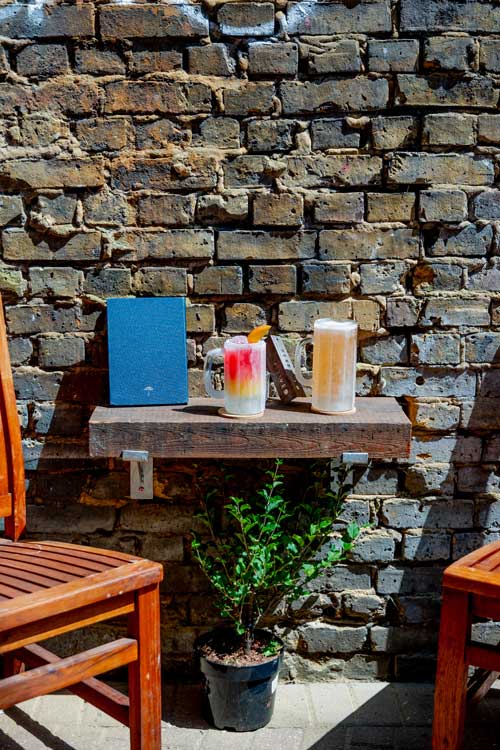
point(207, 373)
point(299, 350)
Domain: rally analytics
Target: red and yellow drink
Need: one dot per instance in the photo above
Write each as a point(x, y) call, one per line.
point(245, 376)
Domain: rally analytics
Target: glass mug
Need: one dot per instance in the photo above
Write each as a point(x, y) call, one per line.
point(334, 365)
point(245, 377)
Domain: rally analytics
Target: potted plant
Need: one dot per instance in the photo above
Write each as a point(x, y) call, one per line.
point(260, 550)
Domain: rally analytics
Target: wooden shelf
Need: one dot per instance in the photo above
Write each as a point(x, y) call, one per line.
point(379, 427)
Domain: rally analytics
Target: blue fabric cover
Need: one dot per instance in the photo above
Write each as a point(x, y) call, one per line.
point(147, 351)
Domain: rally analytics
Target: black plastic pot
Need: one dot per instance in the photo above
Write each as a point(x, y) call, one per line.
point(239, 698)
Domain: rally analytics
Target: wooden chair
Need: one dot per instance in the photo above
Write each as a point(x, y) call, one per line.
point(471, 589)
point(47, 588)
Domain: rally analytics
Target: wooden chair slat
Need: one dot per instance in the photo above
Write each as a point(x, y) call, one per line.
point(87, 566)
point(78, 593)
point(50, 564)
point(106, 553)
point(24, 586)
point(71, 670)
point(51, 574)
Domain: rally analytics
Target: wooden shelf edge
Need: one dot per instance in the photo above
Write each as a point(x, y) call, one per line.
point(379, 427)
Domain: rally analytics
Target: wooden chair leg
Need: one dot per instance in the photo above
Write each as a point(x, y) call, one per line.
point(145, 673)
point(451, 677)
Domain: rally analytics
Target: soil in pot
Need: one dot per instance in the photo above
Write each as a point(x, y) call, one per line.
point(240, 687)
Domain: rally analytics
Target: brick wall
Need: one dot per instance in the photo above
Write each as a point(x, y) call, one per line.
point(274, 162)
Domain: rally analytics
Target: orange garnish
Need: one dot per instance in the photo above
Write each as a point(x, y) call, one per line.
point(258, 333)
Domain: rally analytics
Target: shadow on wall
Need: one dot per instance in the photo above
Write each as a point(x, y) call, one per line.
point(462, 471)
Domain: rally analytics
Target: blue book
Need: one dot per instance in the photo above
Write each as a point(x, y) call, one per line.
point(147, 351)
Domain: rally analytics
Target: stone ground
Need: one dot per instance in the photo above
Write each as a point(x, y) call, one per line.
point(340, 716)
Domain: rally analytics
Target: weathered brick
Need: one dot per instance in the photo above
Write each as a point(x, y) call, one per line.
point(220, 280)
point(160, 282)
point(272, 279)
point(99, 62)
point(475, 479)
point(99, 134)
point(435, 349)
point(250, 99)
point(222, 209)
point(161, 133)
point(450, 129)
point(404, 381)
point(20, 352)
point(405, 580)
point(396, 640)
point(401, 513)
point(382, 278)
point(200, 318)
point(244, 245)
point(422, 169)
point(389, 133)
point(367, 17)
point(365, 606)
point(331, 171)
point(154, 61)
point(71, 96)
point(448, 15)
point(351, 95)
point(391, 350)
point(489, 56)
point(339, 208)
point(19, 245)
point(283, 209)
point(420, 91)
point(222, 132)
point(434, 415)
point(43, 60)
point(54, 173)
point(243, 316)
point(433, 277)
point(42, 129)
point(366, 313)
point(488, 128)
point(486, 279)
point(57, 208)
point(57, 350)
point(273, 58)
point(300, 316)
point(403, 312)
point(172, 243)
point(483, 347)
point(341, 57)
point(55, 282)
point(319, 637)
point(246, 19)
point(376, 545)
point(11, 209)
point(393, 55)
point(487, 205)
point(390, 206)
point(19, 21)
point(269, 135)
point(328, 133)
point(167, 210)
point(211, 59)
point(469, 241)
point(147, 97)
point(443, 205)
point(106, 208)
point(191, 172)
point(326, 278)
point(448, 53)
point(11, 282)
point(348, 244)
point(182, 20)
point(108, 282)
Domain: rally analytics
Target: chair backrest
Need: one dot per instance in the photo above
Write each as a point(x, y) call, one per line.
point(12, 488)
